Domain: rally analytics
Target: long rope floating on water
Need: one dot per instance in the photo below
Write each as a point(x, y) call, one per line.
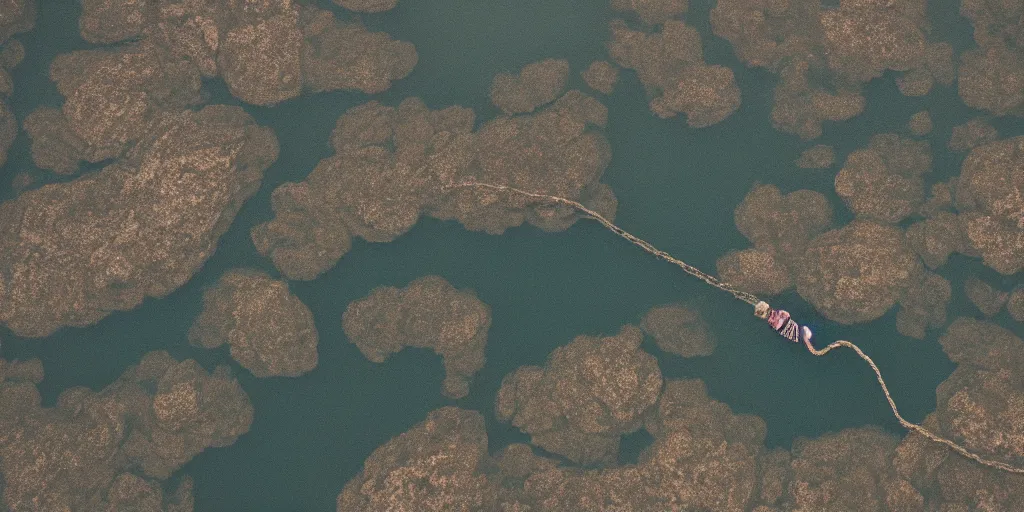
point(779, 319)
point(643, 244)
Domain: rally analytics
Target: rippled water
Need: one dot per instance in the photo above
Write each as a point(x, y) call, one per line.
point(676, 186)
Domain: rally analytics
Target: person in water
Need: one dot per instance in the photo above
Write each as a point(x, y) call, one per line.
point(783, 323)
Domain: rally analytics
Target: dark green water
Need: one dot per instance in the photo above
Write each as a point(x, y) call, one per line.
point(677, 188)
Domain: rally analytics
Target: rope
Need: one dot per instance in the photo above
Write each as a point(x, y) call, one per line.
point(689, 269)
point(914, 427)
point(752, 300)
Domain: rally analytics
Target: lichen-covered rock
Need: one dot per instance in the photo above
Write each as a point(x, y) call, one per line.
point(393, 165)
point(936, 238)
point(887, 160)
point(112, 99)
point(1015, 304)
point(980, 405)
point(939, 66)
point(266, 52)
point(22, 181)
point(16, 16)
point(824, 55)
point(590, 393)
point(270, 331)
point(30, 371)
point(993, 79)
point(972, 134)
point(670, 63)
point(849, 470)
point(992, 76)
point(601, 76)
point(557, 151)
point(12, 53)
point(703, 457)
point(113, 95)
point(856, 273)
point(863, 39)
point(685, 405)
point(916, 82)
point(993, 22)
point(261, 61)
point(367, 5)
point(817, 157)
point(109, 450)
point(536, 84)
point(782, 224)
point(110, 21)
point(1000, 244)
point(755, 271)
point(984, 296)
point(801, 105)
point(883, 183)
point(943, 480)
point(389, 165)
point(55, 144)
point(72, 253)
point(679, 330)
point(923, 305)
point(305, 238)
point(764, 34)
point(920, 124)
point(940, 62)
point(566, 489)
point(132, 492)
point(6, 82)
point(990, 197)
point(775, 475)
point(780, 227)
point(190, 410)
point(940, 199)
point(964, 485)
point(517, 463)
point(343, 55)
point(438, 465)
point(429, 313)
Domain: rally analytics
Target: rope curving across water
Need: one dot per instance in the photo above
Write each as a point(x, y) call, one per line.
point(914, 427)
point(643, 244)
point(749, 299)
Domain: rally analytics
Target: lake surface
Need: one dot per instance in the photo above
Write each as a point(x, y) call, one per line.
point(677, 188)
